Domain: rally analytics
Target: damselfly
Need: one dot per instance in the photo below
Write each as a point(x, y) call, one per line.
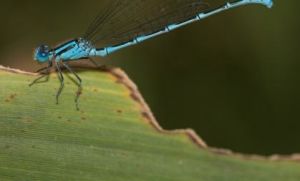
point(124, 23)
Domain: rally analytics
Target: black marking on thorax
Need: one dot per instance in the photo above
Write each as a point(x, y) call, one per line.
point(67, 48)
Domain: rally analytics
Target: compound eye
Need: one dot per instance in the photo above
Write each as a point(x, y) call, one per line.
point(44, 49)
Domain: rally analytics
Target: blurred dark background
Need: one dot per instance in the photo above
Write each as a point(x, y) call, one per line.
point(234, 77)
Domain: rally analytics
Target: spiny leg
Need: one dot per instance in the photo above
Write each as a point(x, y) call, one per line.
point(44, 74)
point(42, 69)
point(61, 79)
point(39, 78)
point(79, 84)
point(94, 62)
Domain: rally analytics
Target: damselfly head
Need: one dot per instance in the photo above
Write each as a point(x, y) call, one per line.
point(42, 54)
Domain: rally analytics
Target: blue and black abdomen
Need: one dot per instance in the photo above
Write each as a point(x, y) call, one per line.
point(114, 35)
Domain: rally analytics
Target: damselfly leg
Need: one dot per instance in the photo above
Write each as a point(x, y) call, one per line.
point(79, 83)
point(61, 79)
point(44, 74)
point(95, 63)
point(45, 71)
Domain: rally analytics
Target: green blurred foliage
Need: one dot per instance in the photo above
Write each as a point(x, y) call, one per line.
point(233, 77)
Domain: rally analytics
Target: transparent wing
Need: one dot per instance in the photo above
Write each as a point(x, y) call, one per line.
point(122, 20)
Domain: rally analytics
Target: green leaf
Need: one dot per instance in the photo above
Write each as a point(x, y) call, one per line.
point(113, 137)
